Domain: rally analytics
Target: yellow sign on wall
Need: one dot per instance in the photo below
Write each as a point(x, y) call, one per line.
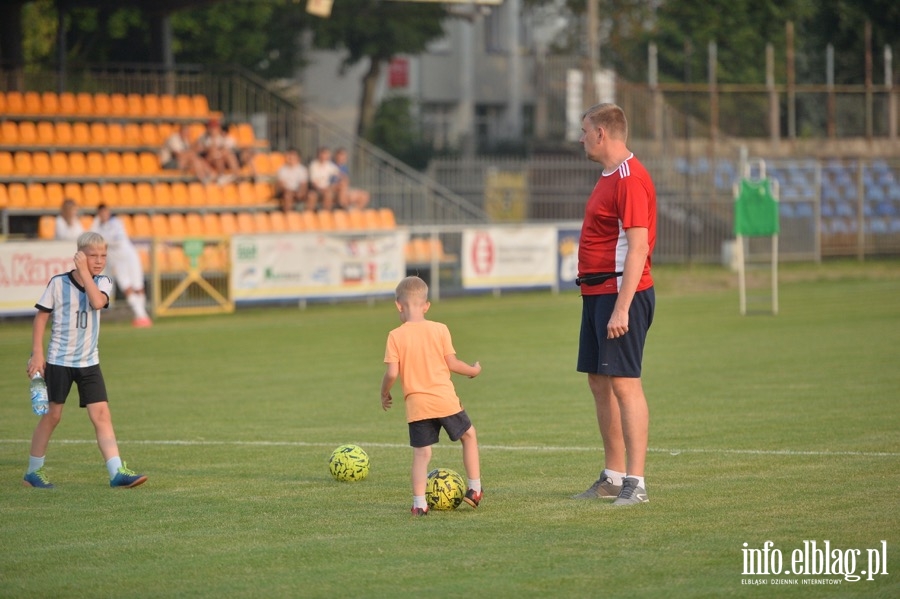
point(505, 194)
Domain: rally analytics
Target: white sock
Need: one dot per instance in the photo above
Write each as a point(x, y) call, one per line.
point(615, 476)
point(134, 301)
point(35, 463)
point(142, 300)
point(113, 465)
point(640, 480)
point(419, 501)
point(475, 484)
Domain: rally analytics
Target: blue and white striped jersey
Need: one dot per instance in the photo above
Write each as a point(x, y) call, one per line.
point(75, 325)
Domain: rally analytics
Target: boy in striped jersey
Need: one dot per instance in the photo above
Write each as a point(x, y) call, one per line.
point(73, 300)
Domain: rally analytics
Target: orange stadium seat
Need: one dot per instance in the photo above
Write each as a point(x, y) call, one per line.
point(46, 133)
point(9, 133)
point(90, 193)
point(72, 190)
point(294, 222)
point(127, 222)
point(59, 164)
point(134, 105)
point(179, 194)
point(17, 195)
point(62, 133)
point(263, 192)
point(246, 223)
point(102, 104)
point(163, 194)
point(87, 221)
point(81, 134)
point(214, 258)
point(196, 194)
point(27, 133)
point(99, 134)
point(109, 194)
point(194, 226)
point(47, 227)
point(230, 195)
point(212, 224)
point(148, 163)
point(310, 220)
point(167, 106)
point(112, 163)
point(22, 163)
point(142, 225)
point(67, 104)
point(177, 224)
point(357, 219)
point(144, 195)
point(326, 220)
point(15, 104)
point(214, 195)
point(261, 222)
point(127, 195)
point(228, 223)
point(386, 218)
point(32, 101)
point(7, 165)
point(184, 107)
point(160, 224)
point(200, 106)
point(84, 104)
point(115, 135)
point(151, 106)
point(78, 165)
point(118, 105)
point(49, 103)
point(150, 135)
point(340, 219)
point(37, 196)
point(246, 194)
point(130, 164)
point(40, 164)
point(370, 219)
point(278, 221)
point(133, 135)
point(55, 194)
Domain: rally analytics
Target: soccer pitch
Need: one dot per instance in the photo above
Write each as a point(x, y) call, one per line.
point(781, 429)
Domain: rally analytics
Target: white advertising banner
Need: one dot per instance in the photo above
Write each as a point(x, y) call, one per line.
point(26, 268)
point(316, 265)
point(498, 257)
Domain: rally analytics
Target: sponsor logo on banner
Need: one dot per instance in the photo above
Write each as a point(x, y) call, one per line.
point(509, 257)
point(26, 268)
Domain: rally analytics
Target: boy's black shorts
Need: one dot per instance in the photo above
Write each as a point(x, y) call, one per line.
point(89, 380)
point(423, 433)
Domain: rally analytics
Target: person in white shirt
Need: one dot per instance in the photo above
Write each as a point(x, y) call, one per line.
point(178, 153)
point(324, 176)
point(292, 182)
point(68, 225)
point(124, 263)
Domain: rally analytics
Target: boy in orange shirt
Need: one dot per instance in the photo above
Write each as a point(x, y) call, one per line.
point(421, 353)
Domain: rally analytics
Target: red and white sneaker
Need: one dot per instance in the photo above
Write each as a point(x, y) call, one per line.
point(473, 497)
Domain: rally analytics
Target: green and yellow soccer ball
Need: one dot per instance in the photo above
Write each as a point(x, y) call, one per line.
point(444, 489)
point(349, 463)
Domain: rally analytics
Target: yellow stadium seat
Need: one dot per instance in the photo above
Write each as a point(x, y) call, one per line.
point(47, 227)
point(109, 194)
point(9, 133)
point(177, 224)
point(84, 104)
point(67, 104)
point(22, 163)
point(59, 164)
point(49, 103)
point(62, 133)
point(91, 195)
point(144, 195)
point(32, 101)
point(102, 104)
point(17, 195)
point(40, 164)
point(118, 105)
point(115, 135)
point(127, 195)
point(46, 133)
point(37, 196)
point(99, 134)
point(27, 133)
point(72, 190)
point(142, 226)
point(77, 164)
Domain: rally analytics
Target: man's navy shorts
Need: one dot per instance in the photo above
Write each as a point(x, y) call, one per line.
point(614, 357)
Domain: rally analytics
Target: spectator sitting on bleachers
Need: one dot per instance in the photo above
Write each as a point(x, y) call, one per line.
point(68, 225)
point(292, 182)
point(178, 153)
point(244, 154)
point(215, 148)
point(349, 198)
point(323, 175)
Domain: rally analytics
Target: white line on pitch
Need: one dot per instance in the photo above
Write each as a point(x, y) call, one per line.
point(535, 448)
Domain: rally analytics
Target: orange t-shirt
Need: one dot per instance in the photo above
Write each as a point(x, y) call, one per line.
point(419, 348)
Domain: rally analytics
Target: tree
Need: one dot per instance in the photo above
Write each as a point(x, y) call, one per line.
point(377, 30)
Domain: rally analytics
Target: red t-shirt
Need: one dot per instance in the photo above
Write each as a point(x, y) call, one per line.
point(622, 199)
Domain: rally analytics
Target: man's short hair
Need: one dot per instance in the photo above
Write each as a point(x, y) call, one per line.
point(609, 116)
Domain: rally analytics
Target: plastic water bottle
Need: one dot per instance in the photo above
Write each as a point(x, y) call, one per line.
point(40, 404)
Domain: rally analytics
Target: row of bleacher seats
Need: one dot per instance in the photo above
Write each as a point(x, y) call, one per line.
point(134, 135)
point(102, 165)
point(104, 105)
point(142, 195)
point(196, 224)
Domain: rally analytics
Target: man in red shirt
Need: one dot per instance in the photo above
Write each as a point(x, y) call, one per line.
point(614, 255)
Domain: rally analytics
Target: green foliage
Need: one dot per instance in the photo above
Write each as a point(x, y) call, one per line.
point(762, 428)
point(395, 131)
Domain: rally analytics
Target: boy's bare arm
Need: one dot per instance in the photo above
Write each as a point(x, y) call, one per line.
point(97, 298)
point(36, 363)
point(390, 376)
point(459, 367)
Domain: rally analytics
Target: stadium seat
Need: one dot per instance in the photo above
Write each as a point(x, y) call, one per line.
point(99, 136)
point(326, 220)
point(81, 134)
point(40, 164)
point(84, 104)
point(212, 224)
point(357, 219)
point(228, 223)
point(37, 196)
point(112, 163)
point(215, 258)
point(59, 164)
point(9, 133)
point(22, 163)
point(246, 223)
point(131, 167)
point(163, 194)
point(67, 104)
point(133, 135)
point(167, 106)
point(32, 102)
point(230, 195)
point(7, 164)
point(87, 221)
point(102, 104)
point(148, 164)
point(90, 193)
point(179, 194)
point(214, 195)
point(200, 106)
point(27, 133)
point(294, 222)
point(134, 105)
point(115, 135)
point(118, 105)
point(49, 103)
point(47, 226)
point(72, 190)
point(340, 219)
point(184, 107)
point(246, 194)
point(160, 224)
point(17, 195)
point(177, 225)
point(261, 222)
point(279, 222)
point(371, 219)
point(55, 194)
point(144, 194)
point(127, 195)
point(142, 226)
point(310, 220)
point(46, 134)
point(78, 164)
point(109, 194)
point(151, 106)
point(194, 226)
point(62, 133)
point(15, 104)
point(150, 135)
point(196, 194)
point(263, 192)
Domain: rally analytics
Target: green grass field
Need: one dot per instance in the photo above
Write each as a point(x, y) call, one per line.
point(782, 429)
